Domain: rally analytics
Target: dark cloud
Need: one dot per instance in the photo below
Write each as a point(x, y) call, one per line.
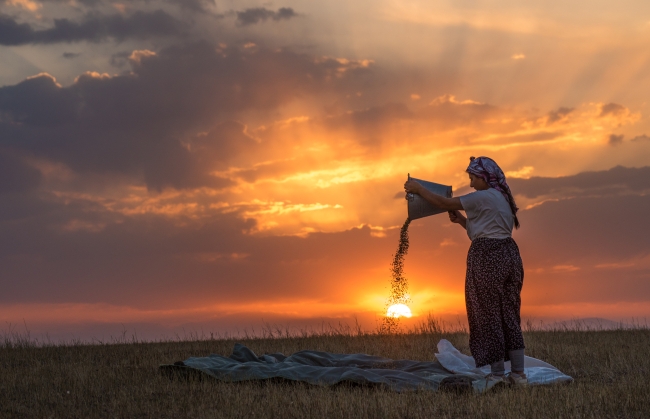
point(194, 5)
point(612, 109)
point(151, 260)
point(14, 33)
point(559, 114)
point(597, 229)
point(93, 28)
point(615, 181)
point(564, 243)
point(37, 102)
point(16, 175)
point(137, 123)
point(84, 2)
point(120, 59)
point(616, 139)
point(641, 137)
point(260, 14)
point(71, 55)
point(227, 144)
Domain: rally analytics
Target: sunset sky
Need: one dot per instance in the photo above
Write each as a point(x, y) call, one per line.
point(178, 166)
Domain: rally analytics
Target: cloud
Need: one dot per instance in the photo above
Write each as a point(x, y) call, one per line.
point(70, 55)
point(199, 6)
point(370, 125)
point(372, 142)
point(560, 114)
point(612, 109)
point(261, 14)
point(566, 242)
point(156, 255)
point(64, 244)
point(16, 175)
point(448, 111)
point(89, 3)
point(93, 28)
point(524, 172)
point(613, 182)
point(586, 230)
point(641, 137)
point(377, 129)
point(37, 102)
point(32, 6)
point(616, 139)
point(148, 261)
point(140, 122)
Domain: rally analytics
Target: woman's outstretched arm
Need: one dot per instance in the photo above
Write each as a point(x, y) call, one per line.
point(449, 204)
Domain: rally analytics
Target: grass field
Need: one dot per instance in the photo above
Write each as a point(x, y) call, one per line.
point(121, 379)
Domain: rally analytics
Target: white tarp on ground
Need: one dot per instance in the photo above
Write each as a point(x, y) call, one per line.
point(538, 372)
point(323, 368)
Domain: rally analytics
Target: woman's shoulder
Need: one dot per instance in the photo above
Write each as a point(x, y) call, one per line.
point(484, 194)
point(489, 196)
point(473, 201)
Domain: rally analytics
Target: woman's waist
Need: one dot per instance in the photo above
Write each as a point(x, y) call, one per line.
point(495, 240)
point(497, 236)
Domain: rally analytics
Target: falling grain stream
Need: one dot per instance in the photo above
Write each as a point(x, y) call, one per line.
point(398, 283)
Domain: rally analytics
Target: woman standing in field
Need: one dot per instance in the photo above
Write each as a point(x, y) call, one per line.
point(495, 272)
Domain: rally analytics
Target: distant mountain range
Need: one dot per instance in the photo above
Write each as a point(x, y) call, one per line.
point(590, 323)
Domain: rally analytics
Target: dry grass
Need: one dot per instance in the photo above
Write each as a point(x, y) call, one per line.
point(121, 379)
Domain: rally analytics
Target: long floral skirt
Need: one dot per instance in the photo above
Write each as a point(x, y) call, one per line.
point(495, 275)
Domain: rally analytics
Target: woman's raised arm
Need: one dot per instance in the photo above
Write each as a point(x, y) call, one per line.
point(449, 204)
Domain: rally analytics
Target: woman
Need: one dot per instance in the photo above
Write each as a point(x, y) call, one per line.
point(495, 272)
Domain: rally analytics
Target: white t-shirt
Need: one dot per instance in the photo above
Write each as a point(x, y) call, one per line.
point(488, 214)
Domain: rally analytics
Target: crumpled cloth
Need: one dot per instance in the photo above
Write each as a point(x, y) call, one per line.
point(327, 369)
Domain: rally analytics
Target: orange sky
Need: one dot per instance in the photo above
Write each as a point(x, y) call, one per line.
point(217, 166)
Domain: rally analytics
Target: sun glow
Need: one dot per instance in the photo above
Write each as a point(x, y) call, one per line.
point(398, 310)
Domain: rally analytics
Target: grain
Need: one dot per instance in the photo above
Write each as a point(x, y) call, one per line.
point(398, 283)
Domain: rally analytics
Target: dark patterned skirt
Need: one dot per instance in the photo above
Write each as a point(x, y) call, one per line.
point(495, 275)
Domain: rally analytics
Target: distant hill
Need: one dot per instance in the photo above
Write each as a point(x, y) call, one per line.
point(591, 323)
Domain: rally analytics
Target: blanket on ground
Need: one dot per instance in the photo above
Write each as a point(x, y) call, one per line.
point(323, 368)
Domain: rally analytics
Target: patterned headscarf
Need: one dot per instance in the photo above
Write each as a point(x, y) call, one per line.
point(488, 170)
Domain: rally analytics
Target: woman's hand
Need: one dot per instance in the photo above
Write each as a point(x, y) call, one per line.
point(456, 217)
point(412, 186)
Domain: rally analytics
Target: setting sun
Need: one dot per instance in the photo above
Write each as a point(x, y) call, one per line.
point(398, 310)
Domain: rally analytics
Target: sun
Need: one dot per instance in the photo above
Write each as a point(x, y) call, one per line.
point(398, 310)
